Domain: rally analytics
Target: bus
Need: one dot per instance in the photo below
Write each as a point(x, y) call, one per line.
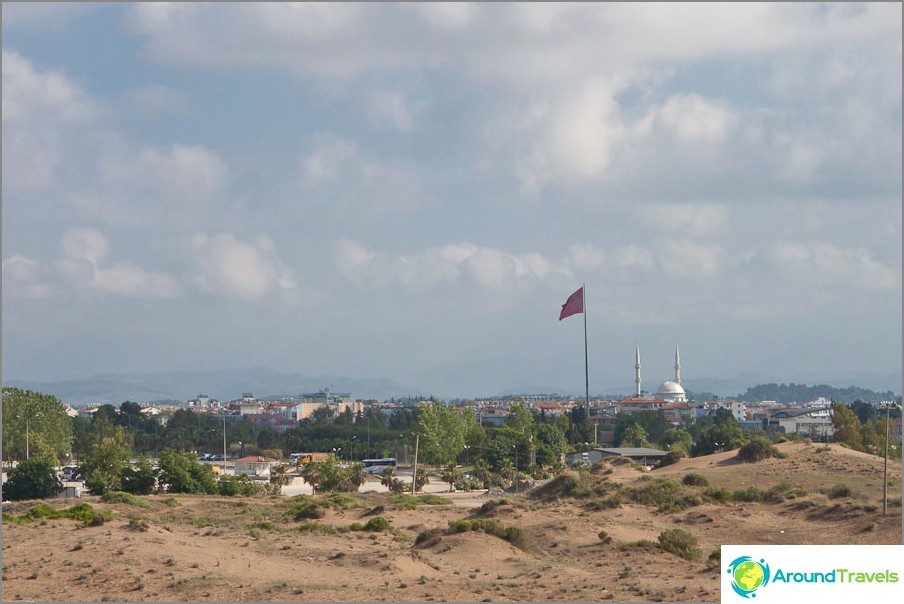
point(376, 466)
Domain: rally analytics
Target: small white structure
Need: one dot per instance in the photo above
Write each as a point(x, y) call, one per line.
point(256, 466)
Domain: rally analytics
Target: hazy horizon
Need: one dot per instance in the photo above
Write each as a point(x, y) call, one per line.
point(412, 191)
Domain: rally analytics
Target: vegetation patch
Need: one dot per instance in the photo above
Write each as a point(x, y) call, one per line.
point(572, 485)
point(377, 524)
point(513, 534)
point(757, 449)
point(404, 501)
point(749, 495)
point(693, 479)
point(315, 528)
point(666, 494)
point(128, 498)
point(681, 543)
point(839, 491)
point(82, 512)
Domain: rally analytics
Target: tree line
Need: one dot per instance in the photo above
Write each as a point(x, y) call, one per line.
point(105, 445)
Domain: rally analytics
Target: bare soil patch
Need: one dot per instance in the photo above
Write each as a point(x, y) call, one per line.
point(193, 548)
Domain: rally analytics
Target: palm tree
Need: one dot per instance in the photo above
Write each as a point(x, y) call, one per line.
point(279, 477)
point(311, 474)
point(388, 478)
point(482, 472)
point(356, 476)
point(450, 475)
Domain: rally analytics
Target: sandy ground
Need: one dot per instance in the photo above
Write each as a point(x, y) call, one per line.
point(189, 548)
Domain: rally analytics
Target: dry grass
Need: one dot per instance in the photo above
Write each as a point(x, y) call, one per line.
point(575, 539)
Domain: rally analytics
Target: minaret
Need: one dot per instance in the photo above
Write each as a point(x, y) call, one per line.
point(637, 370)
point(677, 366)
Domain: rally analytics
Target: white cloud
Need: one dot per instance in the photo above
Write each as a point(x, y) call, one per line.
point(24, 277)
point(85, 244)
point(32, 93)
point(489, 267)
point(821, 264)
point(692, 117)
point(84, 252)
point(393, 107)
point(683, 218)
point(326, 162)
point(585, 258)
point(448, 16)
point(42, 111)
point(172, 175)
point(689, 260)
point(226, 265)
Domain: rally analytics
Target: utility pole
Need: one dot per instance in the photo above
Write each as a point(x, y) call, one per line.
point(417, 438)
point(223, 473)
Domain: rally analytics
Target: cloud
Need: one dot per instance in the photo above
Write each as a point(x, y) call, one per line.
point(24, 277)
point(326, 162)
point(171, 175)
point(225, 265)
point(824, 264)
point(42, 110)
point(489, 268)
point(30, 92)
point(683, 218)
point(84, 251)
point(393, 107)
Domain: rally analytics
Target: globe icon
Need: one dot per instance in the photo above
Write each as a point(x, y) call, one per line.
point(748, 575)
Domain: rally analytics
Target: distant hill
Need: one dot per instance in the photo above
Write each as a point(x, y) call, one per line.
point(223, 384)
point(801, 393)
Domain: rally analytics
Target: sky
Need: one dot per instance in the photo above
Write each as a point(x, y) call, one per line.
point(412, 191)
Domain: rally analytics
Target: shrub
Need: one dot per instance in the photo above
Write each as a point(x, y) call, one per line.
point(514, 535)
point(695, 480)
point(680, 543)
point(32, 479)
point(714, 560)
point(407, 502)
point(122, 497)
point(604, 537)
point(749, 495)
point(840, 490)
point(303, 507)
point(665, 494)
point(670, 458)
point(718, 494)
point(377, 524)
point(756, 449)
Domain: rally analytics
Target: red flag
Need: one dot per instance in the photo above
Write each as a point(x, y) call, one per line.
point(574, 305)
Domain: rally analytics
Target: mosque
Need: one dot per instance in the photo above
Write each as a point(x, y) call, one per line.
point(669, 392)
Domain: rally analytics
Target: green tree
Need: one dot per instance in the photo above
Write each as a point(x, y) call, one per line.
point(37, 423)
point(520, 419)
point(847, 426)
point(181, 473)
point(109, 450)
point(676, 435)
point(442, 432)
point(139, 480)
point(634, 436)
point(33, 478)
point(550, 444)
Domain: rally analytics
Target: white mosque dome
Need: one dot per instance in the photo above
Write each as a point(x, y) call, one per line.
point(670, 388)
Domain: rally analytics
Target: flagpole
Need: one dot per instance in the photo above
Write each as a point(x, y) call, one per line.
point(586, 364)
